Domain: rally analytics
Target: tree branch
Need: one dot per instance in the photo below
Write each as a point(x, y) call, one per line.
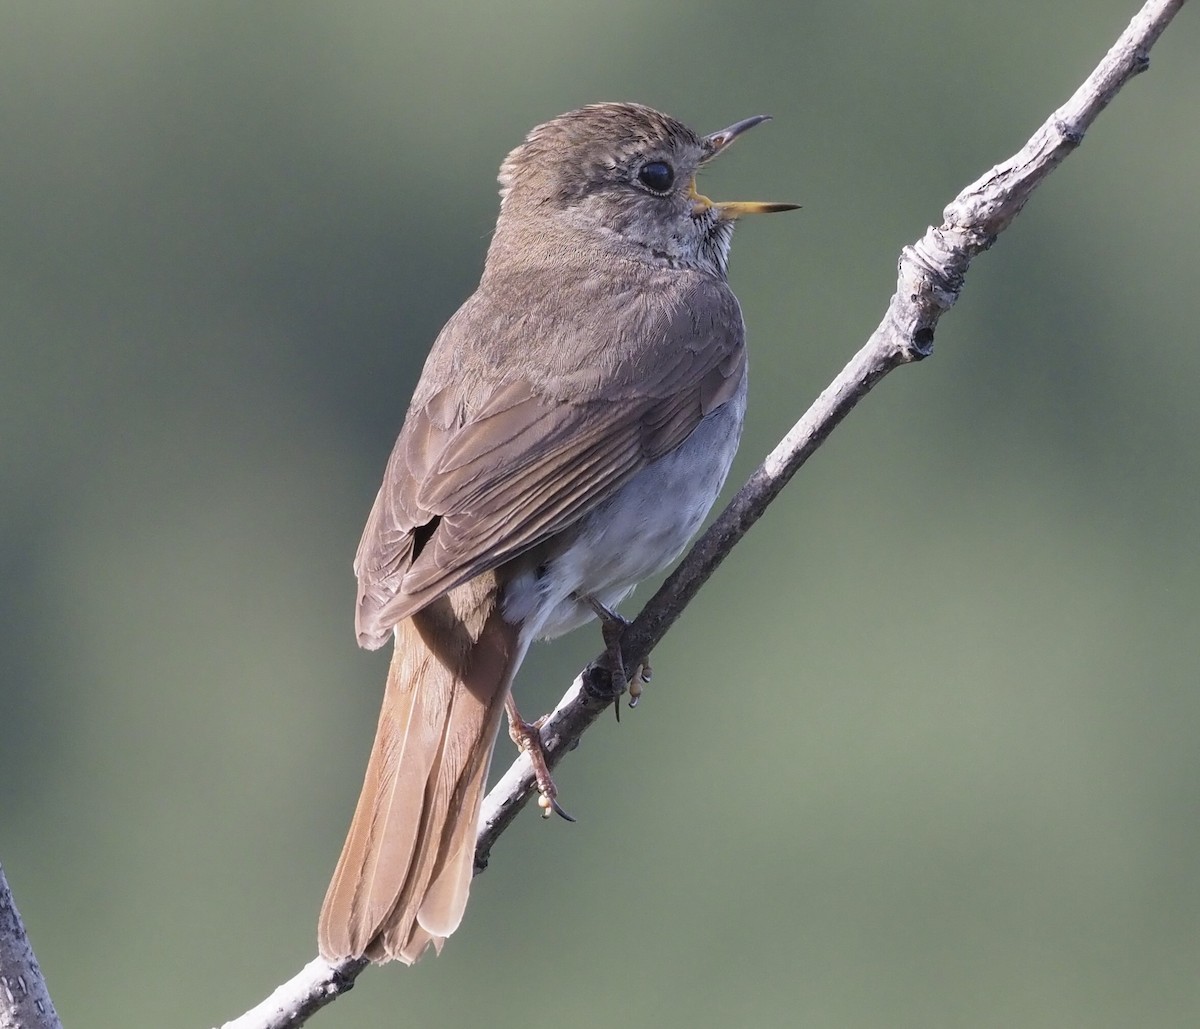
point(931, 277)
point(24, 1000)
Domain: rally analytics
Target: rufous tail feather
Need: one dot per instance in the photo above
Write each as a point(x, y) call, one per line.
point(402, 879)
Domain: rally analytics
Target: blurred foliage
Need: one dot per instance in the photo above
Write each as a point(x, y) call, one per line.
point(923, 753)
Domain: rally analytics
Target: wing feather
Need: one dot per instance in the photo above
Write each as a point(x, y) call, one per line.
point(496, 461)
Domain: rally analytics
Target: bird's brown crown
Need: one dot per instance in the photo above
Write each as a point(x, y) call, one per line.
point(561, 160)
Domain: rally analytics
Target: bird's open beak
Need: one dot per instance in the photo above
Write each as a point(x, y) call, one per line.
point(730, 210)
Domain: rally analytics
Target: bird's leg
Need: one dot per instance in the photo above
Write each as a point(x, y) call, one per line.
point(528, 738)
point(612, 628)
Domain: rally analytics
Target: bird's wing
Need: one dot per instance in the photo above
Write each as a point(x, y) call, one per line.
point(493, 464)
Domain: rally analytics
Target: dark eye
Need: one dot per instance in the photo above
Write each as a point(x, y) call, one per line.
point(657, 176)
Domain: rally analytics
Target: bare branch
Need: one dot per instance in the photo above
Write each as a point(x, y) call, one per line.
point(931, 276)
point(24, 1000)
point(318, 983)
point(932, 273)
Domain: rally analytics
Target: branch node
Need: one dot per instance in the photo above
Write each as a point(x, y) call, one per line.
point(342, 977)
point(597, 684)
point(923, 342)
point(1070, 134)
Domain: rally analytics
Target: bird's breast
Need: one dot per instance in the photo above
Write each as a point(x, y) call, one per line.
point(638, 531)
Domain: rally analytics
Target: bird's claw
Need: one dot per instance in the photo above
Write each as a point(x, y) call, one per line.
point(547, 802)
point(527, 736)
point(641, 678)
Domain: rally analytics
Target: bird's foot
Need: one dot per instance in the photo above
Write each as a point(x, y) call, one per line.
point(528, 738)
point(612, 628)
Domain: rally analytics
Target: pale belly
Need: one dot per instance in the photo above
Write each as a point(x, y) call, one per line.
point(637, 532)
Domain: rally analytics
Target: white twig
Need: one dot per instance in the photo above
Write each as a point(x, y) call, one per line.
point(931, 276)
point(316, 984)
point(24, 1000)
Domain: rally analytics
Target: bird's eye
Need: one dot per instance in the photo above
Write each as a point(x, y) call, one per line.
point(657, 176)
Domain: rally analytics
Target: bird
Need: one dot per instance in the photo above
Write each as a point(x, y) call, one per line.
point(572, 427)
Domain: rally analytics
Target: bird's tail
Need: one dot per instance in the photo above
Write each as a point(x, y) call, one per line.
point(402, 880)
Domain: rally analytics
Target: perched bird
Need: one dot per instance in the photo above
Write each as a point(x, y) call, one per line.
point(573, 425)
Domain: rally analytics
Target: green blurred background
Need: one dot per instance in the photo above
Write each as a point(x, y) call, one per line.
point(922, 754)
